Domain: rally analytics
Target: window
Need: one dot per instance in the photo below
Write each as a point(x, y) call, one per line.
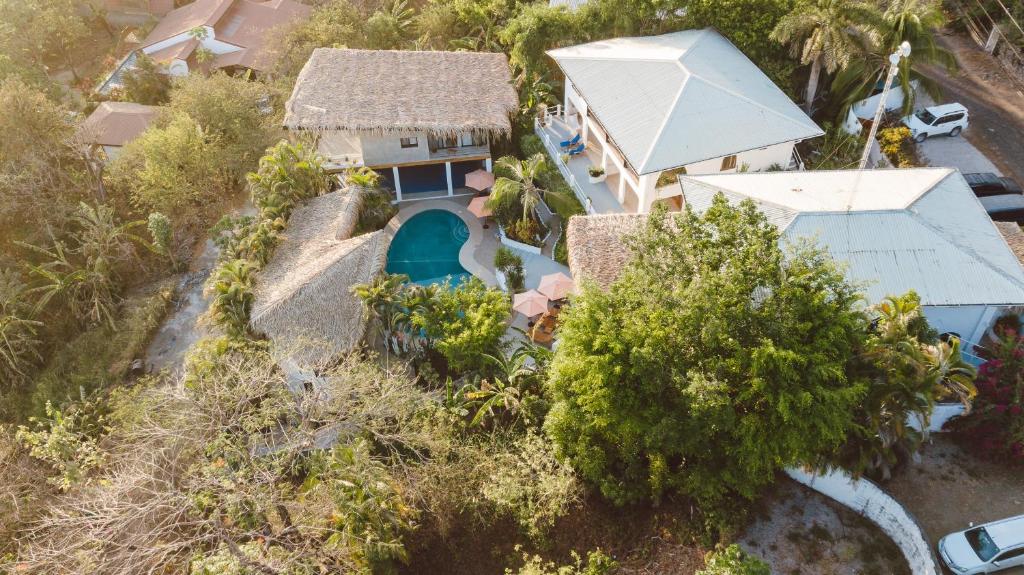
point(410, 142)
point(728, 163)
point(926, 117)
point(466, 140)
point(951, 118)
point(1013, 554)
point(981, 543)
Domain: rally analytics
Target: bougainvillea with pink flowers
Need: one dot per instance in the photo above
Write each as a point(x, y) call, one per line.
point(995, 426)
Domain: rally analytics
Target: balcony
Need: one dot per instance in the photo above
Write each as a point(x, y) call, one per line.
point(460, 152)
point(596, 198)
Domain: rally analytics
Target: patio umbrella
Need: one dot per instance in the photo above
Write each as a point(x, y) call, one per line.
point(478, 207)
point(530, 303)
point(556, 286)
point(479, 180)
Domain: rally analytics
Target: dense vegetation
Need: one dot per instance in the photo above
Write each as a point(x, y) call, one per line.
point(689, 383)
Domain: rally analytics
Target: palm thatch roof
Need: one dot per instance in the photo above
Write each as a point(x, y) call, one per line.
point(1014, 238)
point(303, 296)
point(442, 93)
point(596, 249)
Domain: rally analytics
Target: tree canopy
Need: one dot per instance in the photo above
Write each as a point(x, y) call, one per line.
point(712, 362)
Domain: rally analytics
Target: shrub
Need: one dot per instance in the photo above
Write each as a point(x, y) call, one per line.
point(376, 211)
point(995, 426)
point(532, 485)
point(531, 144)
point(465, 323)
point(147, 83)
point(896, 144)
point(597, 564)
point(733, 561)
point(510, 263)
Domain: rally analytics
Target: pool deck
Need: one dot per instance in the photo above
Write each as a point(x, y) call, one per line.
point(477, 254)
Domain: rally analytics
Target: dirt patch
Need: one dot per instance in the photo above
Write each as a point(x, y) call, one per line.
point(949, 488)
point(802, 531)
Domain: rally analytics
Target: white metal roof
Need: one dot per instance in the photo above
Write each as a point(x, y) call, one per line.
point(679, 98)
point(896, 230)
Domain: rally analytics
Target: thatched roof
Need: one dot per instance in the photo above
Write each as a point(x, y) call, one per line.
point(1014, 237)
point(303, 296)
point(393, 91)
point(596, 249)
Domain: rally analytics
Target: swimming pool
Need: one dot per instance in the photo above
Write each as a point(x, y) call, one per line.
point(426, 248)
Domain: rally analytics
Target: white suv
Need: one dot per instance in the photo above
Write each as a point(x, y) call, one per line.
point(986, 548)
point(947, 119)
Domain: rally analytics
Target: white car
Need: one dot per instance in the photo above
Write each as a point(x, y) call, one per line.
point(987, 548)
point(947, 119)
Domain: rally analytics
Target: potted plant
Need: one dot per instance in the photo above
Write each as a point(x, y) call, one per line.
point(596, 174)
point(564, 158)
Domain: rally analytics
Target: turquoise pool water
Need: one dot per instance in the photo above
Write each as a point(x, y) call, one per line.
point(426, 248)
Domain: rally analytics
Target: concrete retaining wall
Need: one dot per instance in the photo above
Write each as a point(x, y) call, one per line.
point(869, 500)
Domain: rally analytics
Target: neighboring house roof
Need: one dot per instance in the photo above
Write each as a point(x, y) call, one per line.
point(179, 51)
point(1014, 237)
point(303, 299)
point(116, 123)
point(242, 23)
point(570, 4)
point(186, 18)
point(387, 90)
point(895, 230)
point(676, 99)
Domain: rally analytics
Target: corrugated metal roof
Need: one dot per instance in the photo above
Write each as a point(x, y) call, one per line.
point(661, 98)
point(941, 244)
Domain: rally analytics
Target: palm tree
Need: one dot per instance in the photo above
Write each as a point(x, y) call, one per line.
point(520, 185)
point(912, 21)
point(949, 373)
point(18, 342)
point(233, 296)
point(381, 300)
point(827, 34)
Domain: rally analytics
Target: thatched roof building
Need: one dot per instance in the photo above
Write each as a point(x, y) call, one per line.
point(1014, 237)
point(303, 296)
point(596, 248)
point(442, 93)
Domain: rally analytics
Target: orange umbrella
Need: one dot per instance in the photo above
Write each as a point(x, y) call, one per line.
point(531, 303)
point(478, 207)
point(479, 180)
point(556, 286)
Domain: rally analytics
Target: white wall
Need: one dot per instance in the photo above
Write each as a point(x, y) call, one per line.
point(183, 37)
point(964, 320)
point(865, 109)
point(386, 150)
point(872, 502)
point(755, 160)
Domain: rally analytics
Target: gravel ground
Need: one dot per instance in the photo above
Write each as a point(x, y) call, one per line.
point(949, 488)
point(802, 532)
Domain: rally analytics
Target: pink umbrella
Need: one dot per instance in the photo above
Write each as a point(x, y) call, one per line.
point(479, 180)
point(531, 303)
point(556, 286)
point(478, 207)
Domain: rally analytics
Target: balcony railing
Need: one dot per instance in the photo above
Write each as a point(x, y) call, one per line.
point(460, 152)
point(556, 156)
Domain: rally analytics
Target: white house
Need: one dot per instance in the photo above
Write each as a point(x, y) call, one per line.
point(213, 35)
point(650, 108)
point(423, 120)
point(916, 229)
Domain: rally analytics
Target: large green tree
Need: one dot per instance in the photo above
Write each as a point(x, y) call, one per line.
point(713, 361)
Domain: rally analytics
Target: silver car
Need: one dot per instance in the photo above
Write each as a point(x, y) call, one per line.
point(985, 548)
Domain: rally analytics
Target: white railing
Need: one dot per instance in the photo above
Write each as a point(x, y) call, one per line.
point(556, 156)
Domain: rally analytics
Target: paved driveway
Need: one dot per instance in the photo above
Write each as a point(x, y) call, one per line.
point(956, 153)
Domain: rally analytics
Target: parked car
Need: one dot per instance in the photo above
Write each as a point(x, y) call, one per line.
point(947, 119)
point(987, 548)
point(1004, 207)
point(989, 184)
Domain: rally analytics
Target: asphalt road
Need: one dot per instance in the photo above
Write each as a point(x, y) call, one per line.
point(995, 102)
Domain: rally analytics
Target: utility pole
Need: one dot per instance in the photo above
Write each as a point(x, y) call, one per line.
point(894, 67)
